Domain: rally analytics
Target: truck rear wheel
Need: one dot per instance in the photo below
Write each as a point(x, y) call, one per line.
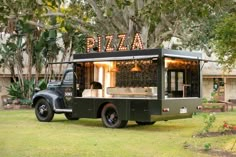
point(69, 116)
point(145, 123)
point(110, 117)
point(43, 111)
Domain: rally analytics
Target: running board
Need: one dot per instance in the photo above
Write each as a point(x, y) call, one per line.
point(63, 110)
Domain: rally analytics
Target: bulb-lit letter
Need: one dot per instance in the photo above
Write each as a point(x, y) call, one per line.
point(137, 42)
point(109, 41)
point(99, 43)
point(121, 46)
point(90, 44)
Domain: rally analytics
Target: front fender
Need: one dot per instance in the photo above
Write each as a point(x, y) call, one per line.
point(53, 98)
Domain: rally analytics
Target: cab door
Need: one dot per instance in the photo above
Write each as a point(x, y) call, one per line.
point(66, 88)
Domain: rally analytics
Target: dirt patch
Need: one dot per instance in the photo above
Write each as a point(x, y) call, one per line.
point(215, 134)
point(220, 153)
point(215, 152)
point(211, 152)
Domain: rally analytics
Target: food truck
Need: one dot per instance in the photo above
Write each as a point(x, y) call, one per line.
point(145, 86)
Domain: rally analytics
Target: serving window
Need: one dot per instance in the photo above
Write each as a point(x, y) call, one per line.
point(182, 78)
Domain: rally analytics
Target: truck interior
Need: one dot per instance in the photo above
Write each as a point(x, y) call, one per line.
point(139, 78)
point(126, 78)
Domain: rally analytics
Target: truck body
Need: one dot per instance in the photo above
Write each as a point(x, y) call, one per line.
point(141, 85)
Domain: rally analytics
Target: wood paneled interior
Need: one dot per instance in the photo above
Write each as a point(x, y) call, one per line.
point(147, 77)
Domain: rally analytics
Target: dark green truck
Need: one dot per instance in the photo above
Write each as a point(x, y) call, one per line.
point(141, 85)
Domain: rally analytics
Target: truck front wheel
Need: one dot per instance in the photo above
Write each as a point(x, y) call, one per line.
point(43, 111)
point(110, 117)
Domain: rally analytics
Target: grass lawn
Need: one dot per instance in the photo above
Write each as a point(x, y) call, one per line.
point(21, 135)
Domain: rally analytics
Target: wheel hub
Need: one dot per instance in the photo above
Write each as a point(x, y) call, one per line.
point(42, 109)
point(111, 118)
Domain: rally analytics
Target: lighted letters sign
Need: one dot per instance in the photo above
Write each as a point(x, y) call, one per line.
point(91, 43)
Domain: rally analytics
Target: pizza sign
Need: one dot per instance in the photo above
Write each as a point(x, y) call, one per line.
point(91, 43)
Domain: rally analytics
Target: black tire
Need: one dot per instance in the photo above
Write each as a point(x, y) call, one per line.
point(110, 117)
point(145, 123)
point(43, 111)
point(68, 116)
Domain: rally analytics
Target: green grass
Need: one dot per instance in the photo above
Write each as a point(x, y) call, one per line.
point(21, 135)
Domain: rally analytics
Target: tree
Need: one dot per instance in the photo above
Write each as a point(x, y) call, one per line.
point(72, 38)
point(7, 59)
point(23, 23)
point(225, 40)
point(157, 20)
point(37, 20)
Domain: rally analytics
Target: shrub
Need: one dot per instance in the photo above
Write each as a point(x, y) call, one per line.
point(14, 90)
point(214, 97)
point(21, 92)
point(42, 84)
point(207, 146)
point(25, 102)
point(204, 100)
point(209, 119)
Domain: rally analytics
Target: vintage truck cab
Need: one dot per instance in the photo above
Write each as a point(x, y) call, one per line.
point(52, 100)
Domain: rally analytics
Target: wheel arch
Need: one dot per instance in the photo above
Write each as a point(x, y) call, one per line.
point(99, 111)
point(41, 97)
point(55, 100)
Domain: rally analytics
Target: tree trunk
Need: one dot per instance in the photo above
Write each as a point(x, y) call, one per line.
point(19, 66)
point(60, 66)
point(70, 53)
point(29, 52)
point(12, 70)
point(36, 77)
point(46, 72)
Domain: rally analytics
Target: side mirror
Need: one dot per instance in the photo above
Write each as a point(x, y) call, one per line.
point(36, 89)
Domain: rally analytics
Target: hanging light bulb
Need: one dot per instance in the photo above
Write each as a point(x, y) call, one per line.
point(115, 69)
point(136, 68)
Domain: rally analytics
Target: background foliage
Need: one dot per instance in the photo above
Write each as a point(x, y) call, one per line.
point(45, 31)
point(225, 40)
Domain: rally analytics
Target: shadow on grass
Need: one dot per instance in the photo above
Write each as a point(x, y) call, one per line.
point(158, 126)
point(84, 122)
